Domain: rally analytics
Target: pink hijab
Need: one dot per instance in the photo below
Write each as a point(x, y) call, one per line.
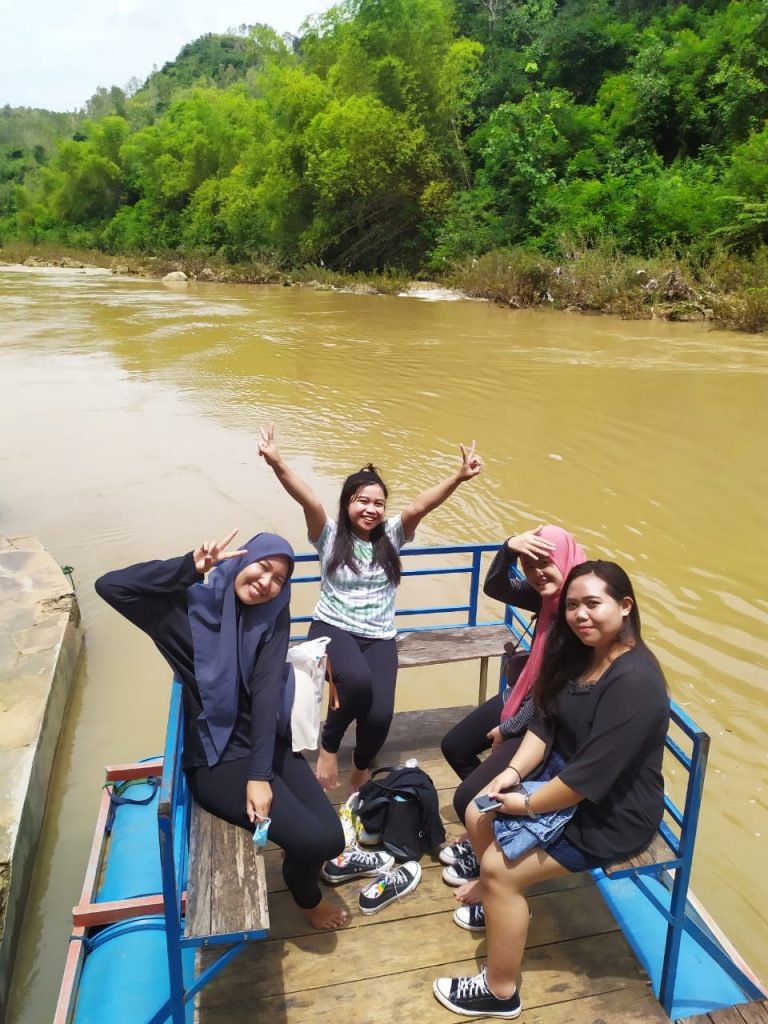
point(567, 553)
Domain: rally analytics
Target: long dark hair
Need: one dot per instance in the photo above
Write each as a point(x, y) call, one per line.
point(384, 553)
point(565, 656)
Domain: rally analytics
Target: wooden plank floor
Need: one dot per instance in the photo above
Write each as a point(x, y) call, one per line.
point(744, 1013)
point(578, 968)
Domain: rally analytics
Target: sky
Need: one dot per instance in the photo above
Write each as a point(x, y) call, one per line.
point(54, 54)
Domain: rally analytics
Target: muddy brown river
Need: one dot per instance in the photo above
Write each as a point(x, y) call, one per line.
point(128, 425)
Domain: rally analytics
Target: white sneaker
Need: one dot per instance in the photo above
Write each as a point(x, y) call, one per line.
point(456, 851)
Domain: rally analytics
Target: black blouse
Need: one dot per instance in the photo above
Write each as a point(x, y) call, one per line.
point(611, 737)
point(153, 596)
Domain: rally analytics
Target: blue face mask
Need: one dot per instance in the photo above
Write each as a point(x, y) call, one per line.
point(260, 833)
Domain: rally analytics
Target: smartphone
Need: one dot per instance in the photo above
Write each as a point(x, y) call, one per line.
point(486, 803)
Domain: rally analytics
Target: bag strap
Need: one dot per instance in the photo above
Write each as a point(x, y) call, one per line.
point(333, 694)
point(383, 786)
point(116, 798)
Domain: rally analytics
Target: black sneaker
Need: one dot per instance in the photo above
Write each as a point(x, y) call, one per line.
point(471, 917)
point(356, 863)
point(456, 851)
point(390, 886)
point(471, 997)
point(465, 870)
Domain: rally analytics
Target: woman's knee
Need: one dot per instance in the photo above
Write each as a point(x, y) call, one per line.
point(315, 847)
point(354, 681)
point(453, 750)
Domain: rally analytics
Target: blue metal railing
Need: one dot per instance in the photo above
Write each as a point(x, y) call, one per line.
point(470, 564)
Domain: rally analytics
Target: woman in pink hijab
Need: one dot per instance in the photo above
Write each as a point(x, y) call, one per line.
point(546, 556)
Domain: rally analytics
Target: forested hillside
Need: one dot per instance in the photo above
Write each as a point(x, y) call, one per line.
point(419, 133)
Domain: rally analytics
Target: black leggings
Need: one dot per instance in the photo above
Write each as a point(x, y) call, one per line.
point(469, 738)
point(303, 822)
point(365, 672)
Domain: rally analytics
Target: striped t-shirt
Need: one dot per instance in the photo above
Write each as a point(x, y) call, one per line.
point(361, 602)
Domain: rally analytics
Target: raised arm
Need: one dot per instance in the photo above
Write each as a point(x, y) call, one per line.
point(471, 464)
point(511, 590)
point(314, 513)
point(144, 593)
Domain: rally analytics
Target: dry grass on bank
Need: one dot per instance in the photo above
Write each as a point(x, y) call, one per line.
point(726, 289)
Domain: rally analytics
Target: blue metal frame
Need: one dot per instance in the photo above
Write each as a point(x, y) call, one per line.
point(681, 837)
point(173, 817)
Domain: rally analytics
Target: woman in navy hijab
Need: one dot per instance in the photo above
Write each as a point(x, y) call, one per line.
point(225, 639)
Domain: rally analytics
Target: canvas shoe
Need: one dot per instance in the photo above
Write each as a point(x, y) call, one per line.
point(390, 886)
point(349, 820)
point(465, 870)
point(470, 917)
point(356, 863)
point(456, 851)
point(471, 997)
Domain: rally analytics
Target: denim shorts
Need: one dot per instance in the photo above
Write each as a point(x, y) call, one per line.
point(572, 858)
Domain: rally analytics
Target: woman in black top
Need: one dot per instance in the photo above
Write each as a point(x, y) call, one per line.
point(602, 703)
point(226, 640)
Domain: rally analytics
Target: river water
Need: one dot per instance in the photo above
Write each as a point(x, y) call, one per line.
point(128, 429)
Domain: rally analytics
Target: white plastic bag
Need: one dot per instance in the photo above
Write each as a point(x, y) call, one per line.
point(309, 662)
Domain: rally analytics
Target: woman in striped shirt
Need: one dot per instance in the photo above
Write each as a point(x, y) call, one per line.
point(360, 566)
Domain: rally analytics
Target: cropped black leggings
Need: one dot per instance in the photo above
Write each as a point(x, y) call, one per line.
point(303, 822)
point(365, 673)
point(465, 741)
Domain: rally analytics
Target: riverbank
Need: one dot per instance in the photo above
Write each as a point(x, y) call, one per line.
point(40, 640)
point(729, 291)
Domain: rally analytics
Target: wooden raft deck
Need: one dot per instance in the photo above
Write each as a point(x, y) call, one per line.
point(578, 968)
point(745, 1013)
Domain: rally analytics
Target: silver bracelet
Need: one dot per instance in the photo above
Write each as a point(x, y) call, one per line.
point(528, 809)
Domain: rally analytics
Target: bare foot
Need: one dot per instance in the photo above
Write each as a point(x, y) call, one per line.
point(357, 778)
point(327, 916)
point(469, 892)
point(327, 769)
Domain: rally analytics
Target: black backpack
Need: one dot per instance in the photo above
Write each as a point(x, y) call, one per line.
point(396, 804)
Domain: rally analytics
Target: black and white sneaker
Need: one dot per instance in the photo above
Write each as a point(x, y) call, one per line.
point(456, 851)
point(471, 997)
point(356, 863)
point(465, 870)
point(390, 886)
point(470, 917)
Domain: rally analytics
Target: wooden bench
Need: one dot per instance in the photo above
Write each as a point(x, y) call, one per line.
point(227, 885)
point(445, 646)
point(214, 884)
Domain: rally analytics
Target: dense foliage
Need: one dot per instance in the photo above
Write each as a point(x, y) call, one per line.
point(419, 133)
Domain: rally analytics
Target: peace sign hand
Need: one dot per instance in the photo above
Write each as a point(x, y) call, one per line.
point(471, 463)
point(212, 552)
point(267, 447)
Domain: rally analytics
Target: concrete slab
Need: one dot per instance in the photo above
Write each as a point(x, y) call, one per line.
point(40, 641)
